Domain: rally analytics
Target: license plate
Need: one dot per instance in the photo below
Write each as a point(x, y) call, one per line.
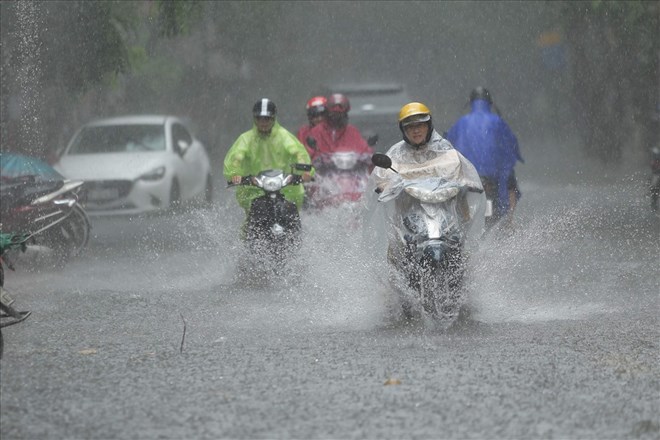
point(5, 298)
point(489, 208)
point(103, 194)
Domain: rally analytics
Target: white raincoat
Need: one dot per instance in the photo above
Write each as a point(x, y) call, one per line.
point(435, 175)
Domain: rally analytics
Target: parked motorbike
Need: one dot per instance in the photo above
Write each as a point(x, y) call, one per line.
point(654, 187)
point(52, 206)
point(429, 220)
point(273, 226)
point(8, 314)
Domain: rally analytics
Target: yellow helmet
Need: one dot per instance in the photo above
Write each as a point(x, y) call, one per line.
point(413, 113)
point(414, 109)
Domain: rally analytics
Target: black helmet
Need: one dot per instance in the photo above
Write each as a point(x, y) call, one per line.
point(481, 93)
point(264, 107)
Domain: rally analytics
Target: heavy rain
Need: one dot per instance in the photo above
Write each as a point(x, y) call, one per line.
point(159, 327)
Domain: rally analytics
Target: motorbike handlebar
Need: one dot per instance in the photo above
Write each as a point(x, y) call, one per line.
point(247, 180)
point(301, 166)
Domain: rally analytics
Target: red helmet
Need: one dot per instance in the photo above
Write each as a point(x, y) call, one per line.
point(338, 103)
point(316, 106)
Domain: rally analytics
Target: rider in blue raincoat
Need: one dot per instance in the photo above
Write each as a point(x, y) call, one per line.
point(487, 141)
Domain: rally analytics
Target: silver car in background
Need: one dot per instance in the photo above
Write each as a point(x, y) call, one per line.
point(138, 164)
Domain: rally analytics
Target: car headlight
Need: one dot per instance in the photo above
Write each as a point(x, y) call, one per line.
point(155, 174)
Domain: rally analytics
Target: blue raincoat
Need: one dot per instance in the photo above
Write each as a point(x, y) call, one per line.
point(488, 142)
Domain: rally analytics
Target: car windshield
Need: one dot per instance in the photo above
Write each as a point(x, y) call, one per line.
point(119, 139)
point(373, 98)
point(369, 102)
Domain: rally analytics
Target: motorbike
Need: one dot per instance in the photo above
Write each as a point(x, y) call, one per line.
point(49, 206)
point(429, 221)
point(654, 187)
point(8, 314)
point(341, 177)
point(273, 227)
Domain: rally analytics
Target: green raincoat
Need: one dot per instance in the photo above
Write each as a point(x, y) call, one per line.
point(254, 152)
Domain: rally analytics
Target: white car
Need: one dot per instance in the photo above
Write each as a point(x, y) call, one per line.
point(137, 164)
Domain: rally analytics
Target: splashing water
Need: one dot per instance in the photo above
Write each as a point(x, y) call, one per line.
point(577, 251)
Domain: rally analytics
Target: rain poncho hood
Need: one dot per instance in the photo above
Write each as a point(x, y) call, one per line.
point(487, 141)
point(254, 152)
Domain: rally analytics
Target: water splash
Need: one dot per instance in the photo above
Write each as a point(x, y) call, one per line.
point(577, 251)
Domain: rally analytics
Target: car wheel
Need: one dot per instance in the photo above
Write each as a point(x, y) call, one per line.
point(175, 196)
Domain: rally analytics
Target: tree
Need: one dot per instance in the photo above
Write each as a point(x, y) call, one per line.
point(175, 17)
point(55, 55)
point(614, 58)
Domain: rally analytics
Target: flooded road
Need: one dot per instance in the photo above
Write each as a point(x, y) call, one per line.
point(561, 338)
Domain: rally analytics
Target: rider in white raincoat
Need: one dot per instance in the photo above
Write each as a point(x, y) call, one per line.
point(429, 172)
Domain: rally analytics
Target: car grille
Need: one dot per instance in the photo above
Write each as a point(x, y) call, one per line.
point(104, 191)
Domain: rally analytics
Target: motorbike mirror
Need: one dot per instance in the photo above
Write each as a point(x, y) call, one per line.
point(311, 142)
point(372, 140)
point(302, 166)
point(382, 161)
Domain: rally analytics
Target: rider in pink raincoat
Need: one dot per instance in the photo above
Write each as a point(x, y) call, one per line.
point(335, 133)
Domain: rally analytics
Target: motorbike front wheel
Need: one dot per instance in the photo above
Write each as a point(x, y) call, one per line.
point(77, 229)
point(70, 237)
point(440, 286)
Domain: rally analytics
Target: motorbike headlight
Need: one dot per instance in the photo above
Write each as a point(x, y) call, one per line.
point(344, 161)
point(155, 174)
point(272, 184)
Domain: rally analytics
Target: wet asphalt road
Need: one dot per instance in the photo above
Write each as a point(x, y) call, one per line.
point(561, 342)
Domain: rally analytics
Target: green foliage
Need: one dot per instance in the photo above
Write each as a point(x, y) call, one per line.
point(158, 73)
point(615, 47)
point(137, 57)
point(108, 39)
point(94, 43)
point(176, 17)
point(246, 26)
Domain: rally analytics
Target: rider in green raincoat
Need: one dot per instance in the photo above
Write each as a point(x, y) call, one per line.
point(267, 145)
